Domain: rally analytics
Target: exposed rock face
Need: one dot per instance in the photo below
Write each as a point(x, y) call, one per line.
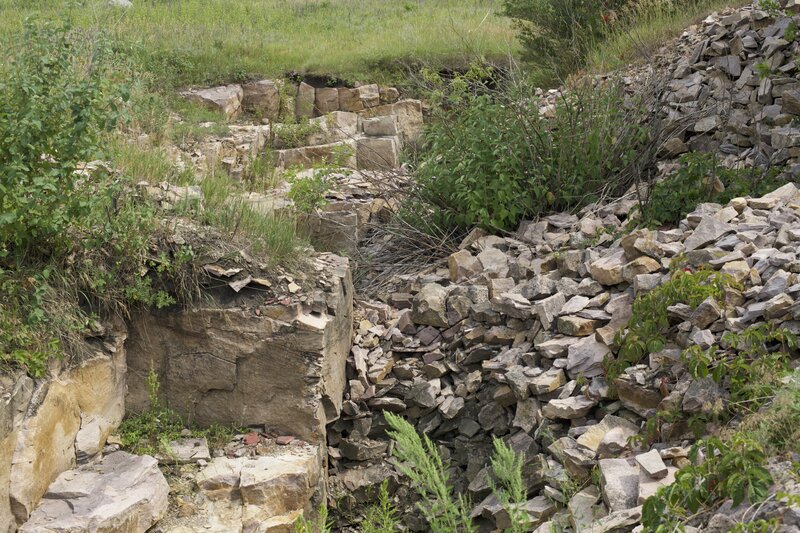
point(51, 425)
point(262, 98)
point(122, 493)
point(282, 366)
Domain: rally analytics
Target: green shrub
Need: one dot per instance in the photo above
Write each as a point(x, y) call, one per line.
point(560, 30)
point(76, 239)
point(649, 320)
point(733, 465)
point(749, 364)
point(701, 178)
point(731, 469)
point(423, 466)
point(56, 99)
point(491, 159)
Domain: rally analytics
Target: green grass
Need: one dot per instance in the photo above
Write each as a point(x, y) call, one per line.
point(209, 41)
point(654, 25)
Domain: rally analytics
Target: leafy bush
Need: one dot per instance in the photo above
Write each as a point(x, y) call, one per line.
point(381, 517)
point(701, 178)
point(491, 159)
point(731, 469)
point(75, 238)
point(649, 320)
point(56, 99)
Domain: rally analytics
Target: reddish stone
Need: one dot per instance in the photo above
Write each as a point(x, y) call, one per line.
point(251, 439)
point(284, 440)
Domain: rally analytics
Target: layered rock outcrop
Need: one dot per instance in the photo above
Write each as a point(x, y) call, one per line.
point(51, 425)
point(251, 362)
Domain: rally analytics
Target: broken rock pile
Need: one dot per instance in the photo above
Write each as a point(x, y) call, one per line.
point(731, 87)
point(510, 341)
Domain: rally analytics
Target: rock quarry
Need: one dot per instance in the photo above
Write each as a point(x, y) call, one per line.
point(506, 337)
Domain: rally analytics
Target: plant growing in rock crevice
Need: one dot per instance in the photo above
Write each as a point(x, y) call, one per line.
point(733, 466)
point(649, 320)
point(423, 466)
point(381, 517)
point(445, 513)
point(750, 364)
point(702, 178)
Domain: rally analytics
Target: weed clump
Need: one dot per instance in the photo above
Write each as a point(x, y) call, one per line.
point(427, 473)
point(649, 320)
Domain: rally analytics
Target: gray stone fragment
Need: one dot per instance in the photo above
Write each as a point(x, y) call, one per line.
point(709, 230)
point(585, 358)
point(703, 395)
point(122, 492)
point(568, 408)
point(430, 306)
point(619, 483)
point(652, 464)
point(547, 310)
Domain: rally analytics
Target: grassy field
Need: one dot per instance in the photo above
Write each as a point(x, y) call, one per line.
point(208, 41)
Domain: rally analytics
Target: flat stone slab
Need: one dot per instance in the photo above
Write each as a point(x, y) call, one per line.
point(123, 493)
point(184, 451)
point(652, 464)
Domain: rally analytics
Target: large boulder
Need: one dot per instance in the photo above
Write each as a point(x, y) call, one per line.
point(334, 127)
point(304, 101)
point(226, 99)
point(262, 98)
point(409, 117)
point(122, 493)
point(378, 153)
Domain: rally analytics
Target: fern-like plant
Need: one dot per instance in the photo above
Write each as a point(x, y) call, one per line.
point(423, 466)
point(510, 488)
point(381, 517)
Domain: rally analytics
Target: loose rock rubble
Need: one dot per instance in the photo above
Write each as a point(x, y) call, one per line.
point(510, 338)
point(732, 88)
